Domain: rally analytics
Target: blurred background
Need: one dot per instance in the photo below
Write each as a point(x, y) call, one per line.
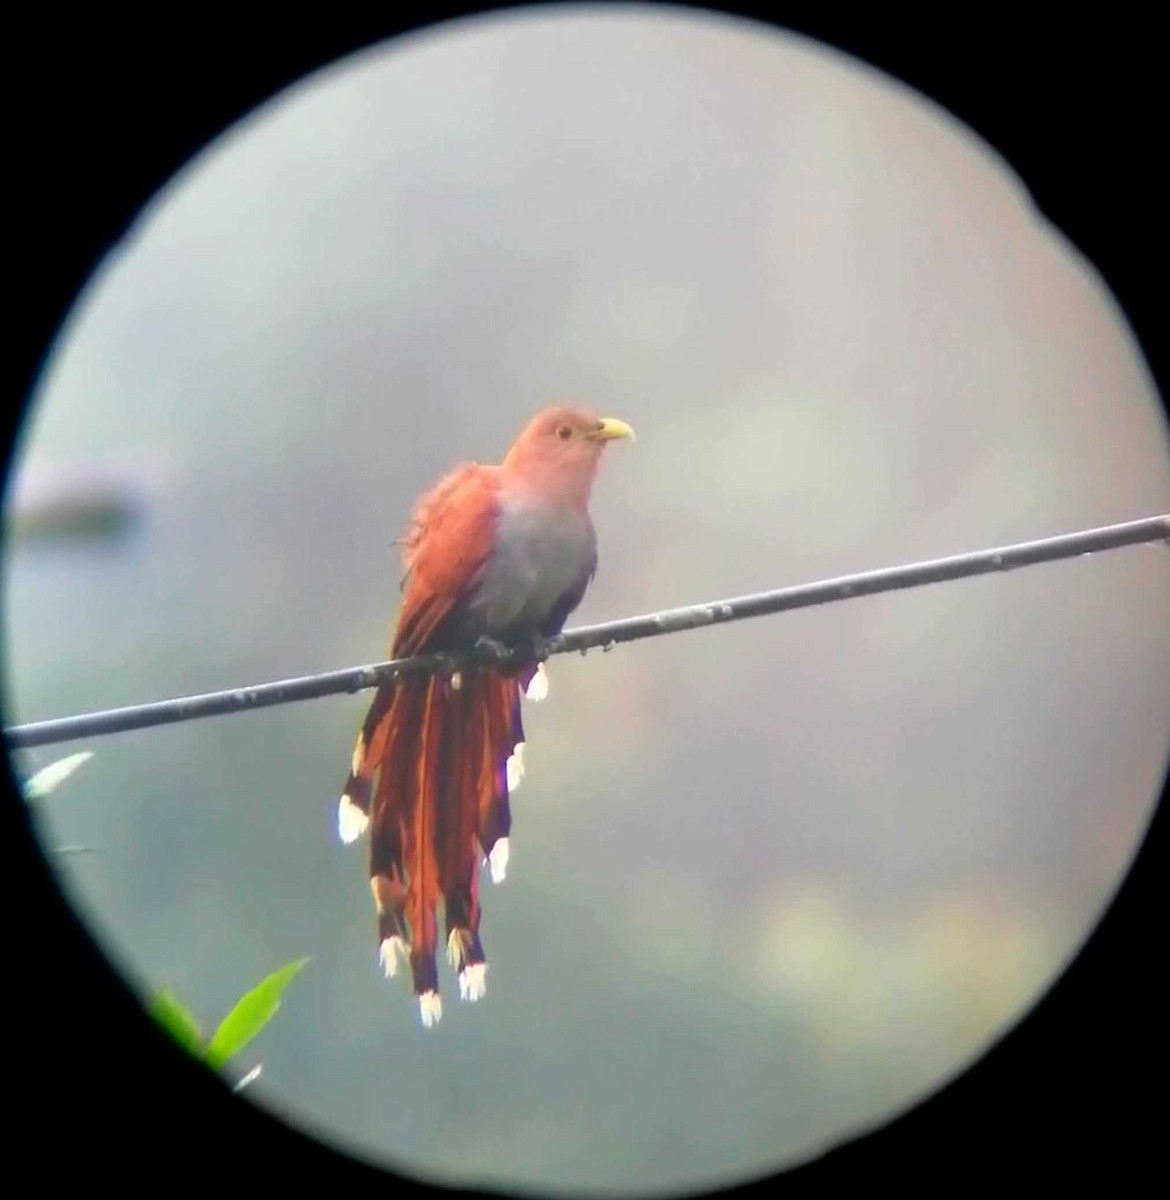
point(771, 883)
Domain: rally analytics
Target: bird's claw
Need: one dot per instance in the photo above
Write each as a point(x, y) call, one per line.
point(539, 645)
point(497, 651)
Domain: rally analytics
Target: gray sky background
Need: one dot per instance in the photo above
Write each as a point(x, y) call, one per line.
point(771, 883)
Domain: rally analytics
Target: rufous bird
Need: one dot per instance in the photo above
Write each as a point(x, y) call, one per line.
point(496, 556)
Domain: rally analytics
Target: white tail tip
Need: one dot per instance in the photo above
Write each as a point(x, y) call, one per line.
point(457, 944)
point(515, 767)
point(537, 688)
point(498, 860)
point(473, 982)
point(389, 953)
point(351, 821)
point(430, 1008)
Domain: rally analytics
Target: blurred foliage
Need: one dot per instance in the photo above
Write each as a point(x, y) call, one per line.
point(50, 777)
point(75, 513)
point(248, 1015)
point(247, 1018)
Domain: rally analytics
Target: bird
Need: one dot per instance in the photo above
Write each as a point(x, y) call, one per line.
point(496, 558)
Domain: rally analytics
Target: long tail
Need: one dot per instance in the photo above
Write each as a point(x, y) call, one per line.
point(446, 753)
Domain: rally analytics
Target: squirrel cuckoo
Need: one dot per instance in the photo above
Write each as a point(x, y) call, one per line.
point(493, 555)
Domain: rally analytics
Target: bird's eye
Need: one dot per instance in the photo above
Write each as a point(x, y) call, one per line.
point(564, 432)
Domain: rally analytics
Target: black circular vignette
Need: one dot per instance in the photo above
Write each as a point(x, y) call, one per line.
point(102, 1095)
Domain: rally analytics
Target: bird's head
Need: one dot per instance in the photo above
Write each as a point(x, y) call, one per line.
point(561, 447)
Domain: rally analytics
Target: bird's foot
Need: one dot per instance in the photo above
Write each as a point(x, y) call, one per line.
point(496, 651)
point(539, 647)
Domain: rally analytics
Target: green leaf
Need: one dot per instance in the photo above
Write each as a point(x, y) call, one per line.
point(176, 1018)
point(47, 778)
point(252, 1012)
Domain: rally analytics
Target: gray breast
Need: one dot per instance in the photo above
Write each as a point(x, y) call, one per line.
point(540, 554)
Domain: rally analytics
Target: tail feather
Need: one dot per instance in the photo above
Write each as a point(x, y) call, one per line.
point(502, 708)
point(458, 829)
point(389, 878)
point(422, 896)
point(439, 751)
point(353, 812)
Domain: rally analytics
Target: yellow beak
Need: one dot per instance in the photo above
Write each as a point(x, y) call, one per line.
point(611, 428)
